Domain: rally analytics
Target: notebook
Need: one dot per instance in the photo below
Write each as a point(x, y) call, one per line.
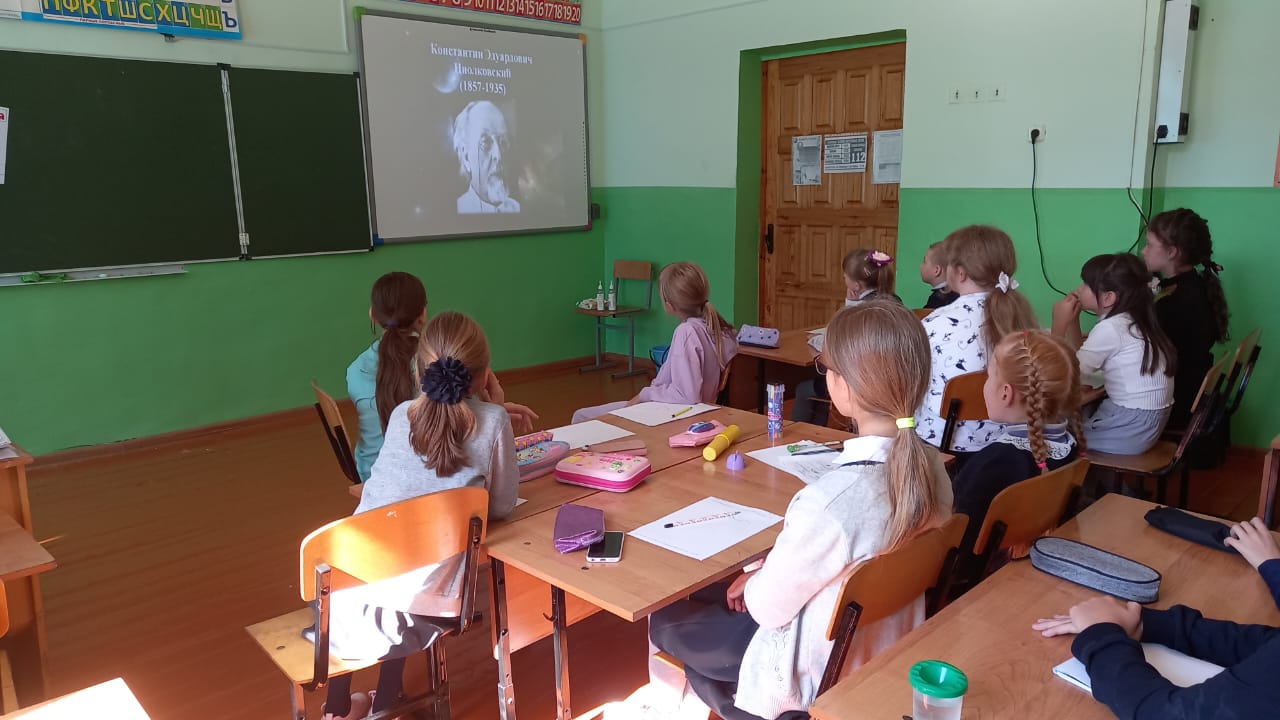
point(1179, 669)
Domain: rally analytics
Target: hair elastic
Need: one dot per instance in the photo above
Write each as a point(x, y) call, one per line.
point(905, 423)
point(879, 258)
point(1006, 283)
point(446, 381)
point(1043, 466)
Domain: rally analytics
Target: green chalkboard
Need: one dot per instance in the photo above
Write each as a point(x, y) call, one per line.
point(113, 162)
point(301, 160)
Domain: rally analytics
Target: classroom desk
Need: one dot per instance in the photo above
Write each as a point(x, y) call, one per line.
point(111, 699)
point(25, 642)
point(788, 363)
point(660, 453)
point(648, 577)
point(987, 632)
point(20, 555)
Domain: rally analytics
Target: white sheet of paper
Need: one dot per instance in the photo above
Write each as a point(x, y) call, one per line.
point(806, 160)
point(886, 157)
point(7, 453)
point(706, 527)
point(656, 413)
point(1179, 669)
point(4, 139)
point(844, 153)
point(586, 433)
point(806, 467)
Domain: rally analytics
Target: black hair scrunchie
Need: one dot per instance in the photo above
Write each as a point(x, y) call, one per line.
point(446, 381)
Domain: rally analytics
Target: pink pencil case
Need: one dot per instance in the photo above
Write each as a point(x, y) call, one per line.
point(612, 472)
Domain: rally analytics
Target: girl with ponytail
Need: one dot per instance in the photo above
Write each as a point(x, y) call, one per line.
point(447, 437)
point(1190, 304)
point(768, 628)
point(1033, 387)
point(701, 348)
point(980, 267)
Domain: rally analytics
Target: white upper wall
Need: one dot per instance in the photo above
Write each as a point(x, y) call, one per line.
point(670, 85)
point(1235, 100)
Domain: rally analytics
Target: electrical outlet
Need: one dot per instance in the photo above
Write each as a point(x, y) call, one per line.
point(995, 93)
point(1040, 137)
point(955, 95)
point(973, 94)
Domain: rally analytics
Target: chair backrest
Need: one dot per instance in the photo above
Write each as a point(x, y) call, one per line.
point(922, 313)
point(962, 400)
point(336, 431)
point(887, 583)
point(392, 540)
point(4, 612)
point(641, 270)
point(1242, 364)
point(1212, 381)
point(1030, 508)
point(722, 390)
point(890, 581)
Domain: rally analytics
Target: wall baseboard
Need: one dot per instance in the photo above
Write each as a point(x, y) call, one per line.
point(513, 376)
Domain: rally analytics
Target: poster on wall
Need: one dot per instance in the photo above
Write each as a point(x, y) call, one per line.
point(216, 19)
point(887, 169)
point(844, 153)
point(560, 11)
point(10, 9)
point(806, 160)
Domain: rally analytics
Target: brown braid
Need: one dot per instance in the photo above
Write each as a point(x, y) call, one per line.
point(1045, 373)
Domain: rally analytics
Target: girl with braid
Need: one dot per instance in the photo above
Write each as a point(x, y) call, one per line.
point(1033, 386)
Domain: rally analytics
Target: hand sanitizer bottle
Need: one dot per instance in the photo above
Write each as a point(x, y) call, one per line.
point(613, 298)
point(600, 296)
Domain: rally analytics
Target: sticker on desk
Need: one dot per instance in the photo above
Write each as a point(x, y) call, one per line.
point(659, 413)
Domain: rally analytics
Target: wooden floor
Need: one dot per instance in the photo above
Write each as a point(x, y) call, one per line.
point(165, 554)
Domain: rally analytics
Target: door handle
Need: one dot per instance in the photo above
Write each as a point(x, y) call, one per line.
point(768, 238)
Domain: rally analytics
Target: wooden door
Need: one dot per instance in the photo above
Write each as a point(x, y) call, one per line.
point(814, 226)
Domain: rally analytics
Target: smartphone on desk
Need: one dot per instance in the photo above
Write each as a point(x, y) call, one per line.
point(608, 550)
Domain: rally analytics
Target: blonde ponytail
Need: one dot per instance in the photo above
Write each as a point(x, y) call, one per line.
point(454, 355)
point(986, 254)
point(684, 286)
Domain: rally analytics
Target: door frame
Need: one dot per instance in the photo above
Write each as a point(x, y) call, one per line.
point(749, 248)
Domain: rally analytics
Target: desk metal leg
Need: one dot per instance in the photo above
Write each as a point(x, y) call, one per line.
point(561, 646)
point(502, 639)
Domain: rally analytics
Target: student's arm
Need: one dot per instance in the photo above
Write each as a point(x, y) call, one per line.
point(504, 474)
point(1255, 543)
point(809, 554)
point(1218, 641)
point(1100, 345)
point(1125, 683)
point(680, 380)
point(361, 388)
point(1066, 320)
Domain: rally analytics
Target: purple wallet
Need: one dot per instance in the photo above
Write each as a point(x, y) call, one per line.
point(577, 527)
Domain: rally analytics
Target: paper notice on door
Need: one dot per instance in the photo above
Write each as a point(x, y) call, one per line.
point(4, 139)
point(806, 160)
point(844, 153)
point(886, 158)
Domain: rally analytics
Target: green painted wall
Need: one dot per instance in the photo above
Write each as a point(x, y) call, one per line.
point(94, 362)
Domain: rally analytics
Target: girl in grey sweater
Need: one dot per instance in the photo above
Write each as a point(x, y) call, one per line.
point(445, 438)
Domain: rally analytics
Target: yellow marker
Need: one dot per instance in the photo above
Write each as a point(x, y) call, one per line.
point(722, 442)
point(678, 413)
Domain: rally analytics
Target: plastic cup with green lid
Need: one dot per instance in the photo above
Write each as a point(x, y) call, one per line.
point(937, 690)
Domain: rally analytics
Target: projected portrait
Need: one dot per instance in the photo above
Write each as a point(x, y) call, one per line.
point(481, 141)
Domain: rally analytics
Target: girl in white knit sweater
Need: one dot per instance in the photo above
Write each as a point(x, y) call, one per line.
point(757, 648)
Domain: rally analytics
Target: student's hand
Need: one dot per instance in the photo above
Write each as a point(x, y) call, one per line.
point(1106, 609)
point(1254, 542)
point(1067, 309)
point(493, 390)
point(521, 418)
point(734, 596)
point(1056, 625)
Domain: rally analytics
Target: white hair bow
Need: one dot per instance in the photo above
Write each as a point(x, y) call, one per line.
point(1006, 283)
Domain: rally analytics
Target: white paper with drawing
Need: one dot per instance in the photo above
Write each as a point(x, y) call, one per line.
point(807, 467)
point(1179, 669)
point(886, 157)
point(706, 527)
point(588, 433)
point(652, 414)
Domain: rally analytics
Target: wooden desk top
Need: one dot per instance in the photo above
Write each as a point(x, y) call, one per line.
point(111, 699)
point(793, 349)
point(20, 554)
point(650, 577)
point(14, 456)
point(662, 456)
point(987, 633)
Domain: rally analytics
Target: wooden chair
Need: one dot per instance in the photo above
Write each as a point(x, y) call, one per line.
point(336, 431)
point(889, 582)
point(1242, 363)
point(1270, 478)
point(1023, 512)
point(366, 548)
point(922, 313)
point(1166, 457)
point(8, 691)
point(634, 271)
point(962, 401)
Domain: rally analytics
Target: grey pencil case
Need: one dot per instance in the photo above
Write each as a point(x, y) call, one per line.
point(1098, 569)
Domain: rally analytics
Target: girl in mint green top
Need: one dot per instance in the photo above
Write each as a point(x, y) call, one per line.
point(383, 376)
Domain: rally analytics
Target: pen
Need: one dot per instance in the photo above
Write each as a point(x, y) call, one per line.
point(815, 451)
point(704, 518)
point(678, 413)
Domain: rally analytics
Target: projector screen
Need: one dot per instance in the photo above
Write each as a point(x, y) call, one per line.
point(472, 130)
